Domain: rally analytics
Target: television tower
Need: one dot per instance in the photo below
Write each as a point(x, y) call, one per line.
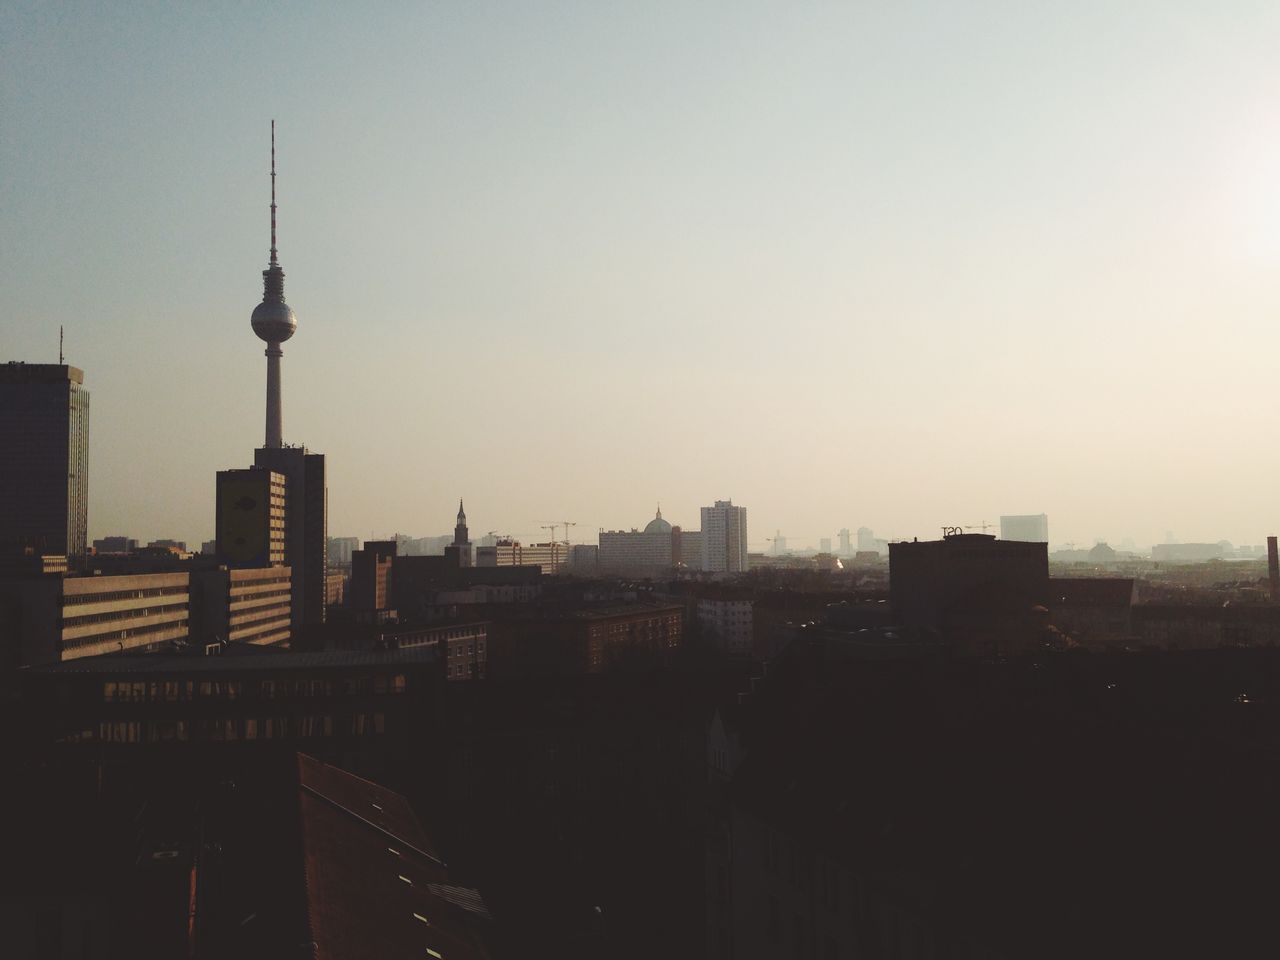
point(273, 320)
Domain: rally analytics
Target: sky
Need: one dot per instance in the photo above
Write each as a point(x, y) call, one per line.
point(849, 264)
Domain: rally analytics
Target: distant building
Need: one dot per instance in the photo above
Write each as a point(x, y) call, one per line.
point(846, 549)
point(824, 545)
point(726, 620)
point(340, 550)
point(584, 559)
point(1186, 552)
point(638, 551)
point(115, 545)
point(44, 470)
point(724, 538)
point(550, 557)
point(209, 548)
point(1030, 528)
point(686, 548)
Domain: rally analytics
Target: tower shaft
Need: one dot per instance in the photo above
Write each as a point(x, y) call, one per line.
point(275, 413)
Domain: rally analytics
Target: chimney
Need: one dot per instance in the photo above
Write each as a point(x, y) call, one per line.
point(1273, 567)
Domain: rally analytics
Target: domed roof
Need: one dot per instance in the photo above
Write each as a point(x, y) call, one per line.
point(658, 525)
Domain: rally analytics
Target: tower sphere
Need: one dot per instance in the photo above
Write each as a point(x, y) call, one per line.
point(274, 321)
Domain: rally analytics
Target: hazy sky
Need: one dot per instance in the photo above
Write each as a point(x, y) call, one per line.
point(893, 264)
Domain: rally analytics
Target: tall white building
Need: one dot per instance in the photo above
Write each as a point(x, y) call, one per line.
point(1032, 528)
point(724, 538)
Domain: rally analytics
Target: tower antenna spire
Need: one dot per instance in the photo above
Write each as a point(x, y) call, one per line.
point(273, 193)
point(60, 359)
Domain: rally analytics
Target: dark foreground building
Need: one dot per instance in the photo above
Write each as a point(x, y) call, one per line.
point(300, 859)
point(44, 469)
point(1075, 805)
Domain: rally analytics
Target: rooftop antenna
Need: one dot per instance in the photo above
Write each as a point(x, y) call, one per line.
point(273, 193)
point(60, 358)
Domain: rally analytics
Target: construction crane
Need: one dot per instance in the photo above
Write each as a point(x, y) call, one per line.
point(983, 525)
point(567, 524)
point(552, 527)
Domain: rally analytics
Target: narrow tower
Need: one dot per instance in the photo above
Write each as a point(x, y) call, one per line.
point(273, 321)
point(460, 531)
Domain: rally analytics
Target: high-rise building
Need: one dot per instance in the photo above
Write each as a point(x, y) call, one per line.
point(340, 550)
point(1030, 528)
point(252, 513)
point(824, 545)
point(846, 548)
point(724, 538)
point(306, 525)
point(44, 468)
point(306, 520)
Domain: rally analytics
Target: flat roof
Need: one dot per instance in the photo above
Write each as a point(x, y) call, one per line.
point(165, 663)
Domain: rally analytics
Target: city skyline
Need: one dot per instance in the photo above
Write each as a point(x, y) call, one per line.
point(980, 273)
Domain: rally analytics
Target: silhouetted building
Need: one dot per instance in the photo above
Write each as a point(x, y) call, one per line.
point(306, 525)
point(983, 594)
point(1094, 612)
point(250, 605)
point(1030, 528)
point(724, 538)
point(44, 469)
point(115, 545)
point(370, 587)
point(550, 557)
point(570, 640)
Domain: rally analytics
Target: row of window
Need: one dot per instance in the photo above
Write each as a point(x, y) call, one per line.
point(238, 728)
point(130, 614)
point(176, 691)
point(78, 598)
point(135, 634)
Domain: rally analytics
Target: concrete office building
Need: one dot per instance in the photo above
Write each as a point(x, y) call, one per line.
point(47, 619)
point(724, 538)
point(53, 618)
point(635, 551)
point(251, 605)
point(44, 471)
point(1030, 528)
point(252, 510)
point(552, 558)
